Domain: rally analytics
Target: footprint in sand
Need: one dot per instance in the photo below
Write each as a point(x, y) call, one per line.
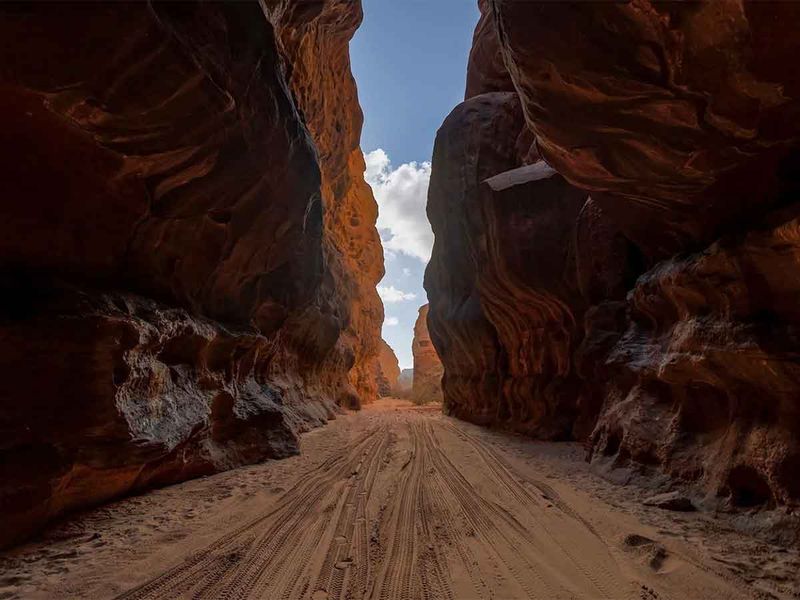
point(651, 552)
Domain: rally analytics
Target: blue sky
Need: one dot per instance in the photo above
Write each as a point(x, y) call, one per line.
point(409, 59)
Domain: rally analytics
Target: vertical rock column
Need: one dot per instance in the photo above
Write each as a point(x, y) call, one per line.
point(315, 39)
point(427, 385)
point(387, 370)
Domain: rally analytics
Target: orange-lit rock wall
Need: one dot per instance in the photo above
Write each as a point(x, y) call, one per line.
point(427, 379)
point(187, 246)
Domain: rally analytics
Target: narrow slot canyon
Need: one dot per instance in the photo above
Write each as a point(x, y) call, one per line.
point(465, 299)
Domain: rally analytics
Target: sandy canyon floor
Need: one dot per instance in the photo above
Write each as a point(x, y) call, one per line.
point(399, 502)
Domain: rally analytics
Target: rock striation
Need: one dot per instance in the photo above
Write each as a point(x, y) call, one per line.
point(616, 237)
point(427, 376)
point(188, 254)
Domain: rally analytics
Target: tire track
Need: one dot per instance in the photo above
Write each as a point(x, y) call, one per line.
point(226, 567)
point(402, 503)
point(604, 582)
point(479, 514)
point(316, 542)
point(396, 578)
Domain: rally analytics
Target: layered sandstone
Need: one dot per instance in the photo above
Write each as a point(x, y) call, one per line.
point(427, 378)
point(511, 277)
point(189, 260)
point(632, 288)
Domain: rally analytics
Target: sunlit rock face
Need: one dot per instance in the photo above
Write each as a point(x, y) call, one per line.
point(652, 304)
point(315, 36)
point(181, 244)
point(427, 382)
point(387, 370)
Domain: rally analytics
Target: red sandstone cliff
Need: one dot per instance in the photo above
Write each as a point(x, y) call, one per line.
point(616, 236)
point(427, 381)
point(315, 37)
point(387, 370)
point(188, 254)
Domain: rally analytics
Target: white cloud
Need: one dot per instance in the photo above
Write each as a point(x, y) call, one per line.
point(402, 194)
point(391, 321)
point(406, 272)
point(390, 294)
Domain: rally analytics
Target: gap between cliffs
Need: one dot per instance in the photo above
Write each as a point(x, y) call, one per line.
point(190, 260)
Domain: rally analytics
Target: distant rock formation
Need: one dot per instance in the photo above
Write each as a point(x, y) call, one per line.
point(387, 370)
point(189, 261)
point(637, 288)
point(427, 376)
point(404, 383)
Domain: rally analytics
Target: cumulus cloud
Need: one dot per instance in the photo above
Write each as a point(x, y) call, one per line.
point(390, 294)
point(401, 194)
point(391, 321)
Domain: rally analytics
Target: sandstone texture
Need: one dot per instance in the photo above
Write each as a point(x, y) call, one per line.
point(315, 37)
point(617, 237)
point(427, 376)
point(188, 254)
point(387, 370)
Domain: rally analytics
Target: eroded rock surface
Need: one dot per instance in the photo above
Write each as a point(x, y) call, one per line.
point(187, 247)
point(427, 376)
point(664, 111)
point(511, 274)
point(387, 370)
point(638, 297)
point(315, 37)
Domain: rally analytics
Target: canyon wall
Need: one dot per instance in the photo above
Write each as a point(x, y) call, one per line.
point(188, 254)
point(615, 207)
point(315, 38)
point(427, 377)
point(387, 370)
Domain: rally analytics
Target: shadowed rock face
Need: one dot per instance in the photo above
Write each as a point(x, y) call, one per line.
point(511, 273)
point(486, 71)
point(638, 298)
point(709, 377)
point(188, 253)
point(427, 378)
point(662, 110)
